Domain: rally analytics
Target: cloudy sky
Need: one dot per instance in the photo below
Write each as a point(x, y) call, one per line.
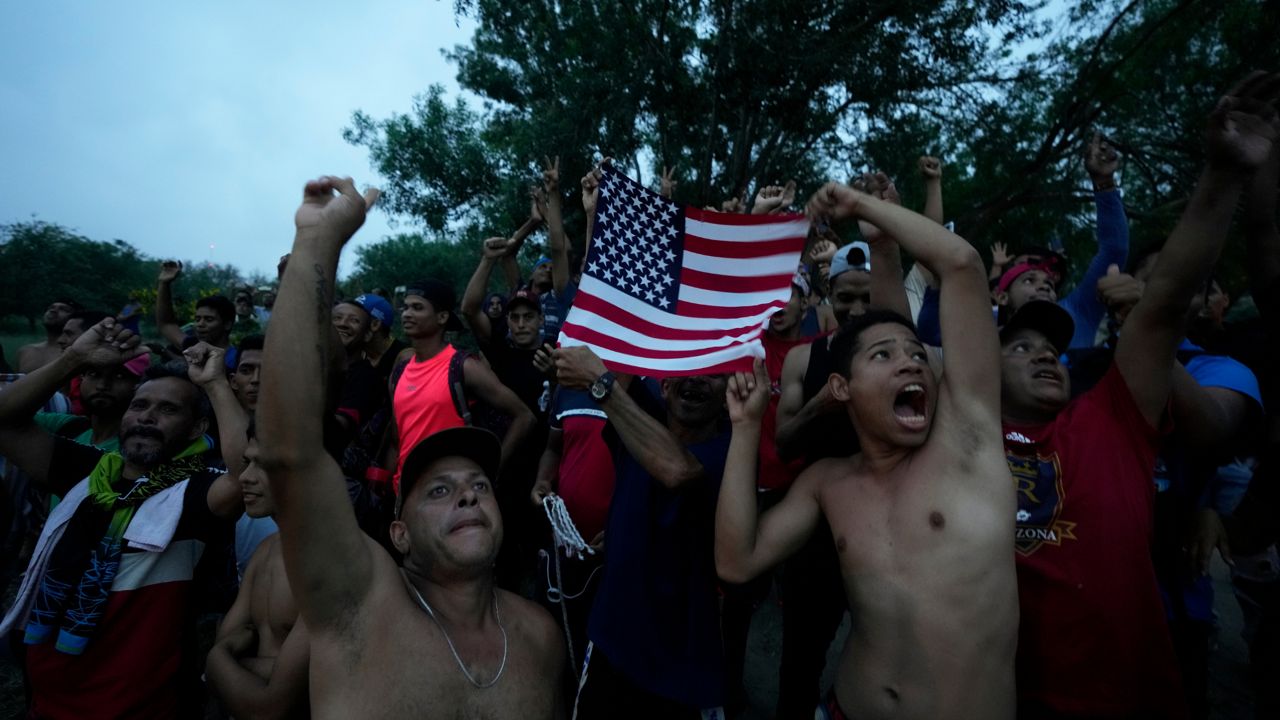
point(188, 129)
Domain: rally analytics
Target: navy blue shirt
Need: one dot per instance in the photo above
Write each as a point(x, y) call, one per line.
point(656, 616)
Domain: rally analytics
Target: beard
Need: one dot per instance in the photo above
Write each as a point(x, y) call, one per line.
point(143, 457)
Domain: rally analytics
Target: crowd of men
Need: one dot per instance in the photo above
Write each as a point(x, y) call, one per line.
point(1013, 491)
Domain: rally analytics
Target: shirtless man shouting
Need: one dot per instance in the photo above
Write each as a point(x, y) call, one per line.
point(258, 666)
point(438, 639)
point(920, 515)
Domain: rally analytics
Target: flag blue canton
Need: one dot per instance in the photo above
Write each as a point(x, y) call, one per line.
point(637, 242)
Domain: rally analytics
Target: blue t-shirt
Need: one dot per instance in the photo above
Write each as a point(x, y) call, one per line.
point(656, 616)
point(555, 306)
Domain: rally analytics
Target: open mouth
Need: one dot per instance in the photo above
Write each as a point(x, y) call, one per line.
point(910, 406)
point(1049, 375)
point(692, 392)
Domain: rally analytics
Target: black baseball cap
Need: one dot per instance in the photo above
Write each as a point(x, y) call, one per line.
point(441, 296)
point(476, 444)
point(1046, 317)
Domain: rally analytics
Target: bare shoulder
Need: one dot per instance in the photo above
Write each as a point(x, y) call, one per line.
point(404, 355)
point(818, 476)
point(530, 618)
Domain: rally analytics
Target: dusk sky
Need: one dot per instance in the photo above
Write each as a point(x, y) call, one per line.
point(181, 126)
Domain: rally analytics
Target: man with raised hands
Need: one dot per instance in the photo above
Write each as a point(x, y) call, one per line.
point(921, 515)
point(436, 638)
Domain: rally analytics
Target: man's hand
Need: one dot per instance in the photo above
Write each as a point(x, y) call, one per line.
point(541, 490)
point(590, 191)
point(205, 363)
point(1245, 124)
point(748, 395)
point(542, 359)
point(1101, 161)
point(170, 270)
point(1000, 255)
point(735, 204)
point(823, 251)
point(577, 367)
point(337, 215)
point(930, 168)
point(768, 200)
point(104, 345)
point(1119, 292)
point(667, 185)
point(495, 248)
point(877, 185)
point(240, 642)
point(834, 201)
point(551, 175)
point(538, 207)
point(1210, 534)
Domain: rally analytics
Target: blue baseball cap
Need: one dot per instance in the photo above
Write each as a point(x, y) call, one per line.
point(854, 256)
point(377, 307)
point(544, 260)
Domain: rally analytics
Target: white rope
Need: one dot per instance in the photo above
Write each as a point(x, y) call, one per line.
point(567, 537)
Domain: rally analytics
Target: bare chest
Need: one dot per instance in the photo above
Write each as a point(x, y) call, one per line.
point(272, 606)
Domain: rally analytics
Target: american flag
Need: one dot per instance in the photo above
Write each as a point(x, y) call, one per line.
point(672, 290)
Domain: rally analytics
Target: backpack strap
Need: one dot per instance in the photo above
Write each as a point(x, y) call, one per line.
point(458, 384)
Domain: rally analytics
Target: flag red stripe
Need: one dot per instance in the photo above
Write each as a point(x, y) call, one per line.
point(742, 250)
point(691, 309)
point(718, 218)
point(591, 337)
point(658, 332)
point(731, 283)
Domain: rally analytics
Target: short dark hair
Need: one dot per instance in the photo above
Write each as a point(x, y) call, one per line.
point(219, 304)
point(88, 318)
point(249, 342)
point(177, 369)
point(64, 300)
point(845, 345)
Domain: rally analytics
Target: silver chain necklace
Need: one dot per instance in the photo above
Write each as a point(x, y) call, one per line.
point(462, 666)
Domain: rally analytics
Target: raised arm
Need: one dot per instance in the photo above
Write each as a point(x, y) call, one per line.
point(327, 559)
point(887, 289)
point(1101, 162)
point(931, 173)
point(510, 269)
point(22, 441)
point(166, 318)
point(748, 545)
point(972, 359)
point(1263, 237)
point(491, 252)
point(483, 384)
point(646, 439)
point(206, 368)
point(555, 226)
point(1241, 131)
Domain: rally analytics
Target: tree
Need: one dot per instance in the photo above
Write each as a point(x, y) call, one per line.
point(42, 261)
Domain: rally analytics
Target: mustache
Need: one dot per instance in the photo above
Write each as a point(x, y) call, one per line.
point(143, 432)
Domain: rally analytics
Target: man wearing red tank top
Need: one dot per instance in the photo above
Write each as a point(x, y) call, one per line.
point(422, 400)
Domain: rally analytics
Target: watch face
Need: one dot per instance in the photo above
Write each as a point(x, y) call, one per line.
point(598, 390)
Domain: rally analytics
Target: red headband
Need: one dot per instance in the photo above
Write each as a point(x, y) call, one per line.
point(1012, 273)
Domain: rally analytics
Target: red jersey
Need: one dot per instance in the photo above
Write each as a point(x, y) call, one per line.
point(775, 472)
point(423, 403)
point(1093, 638)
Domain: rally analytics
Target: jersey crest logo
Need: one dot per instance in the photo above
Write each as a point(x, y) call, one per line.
point(1038, 480)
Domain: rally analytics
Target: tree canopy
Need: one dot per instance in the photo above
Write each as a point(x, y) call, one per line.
point(744, 93)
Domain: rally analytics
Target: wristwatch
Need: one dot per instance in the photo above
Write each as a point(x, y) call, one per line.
point(602, 387)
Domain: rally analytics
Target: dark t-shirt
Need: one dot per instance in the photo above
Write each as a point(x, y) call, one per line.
point(656, 616)
point(131, 667)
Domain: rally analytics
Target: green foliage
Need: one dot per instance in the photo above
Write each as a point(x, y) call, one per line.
point(41, 261)
point(748, 92)
point(403, 258)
